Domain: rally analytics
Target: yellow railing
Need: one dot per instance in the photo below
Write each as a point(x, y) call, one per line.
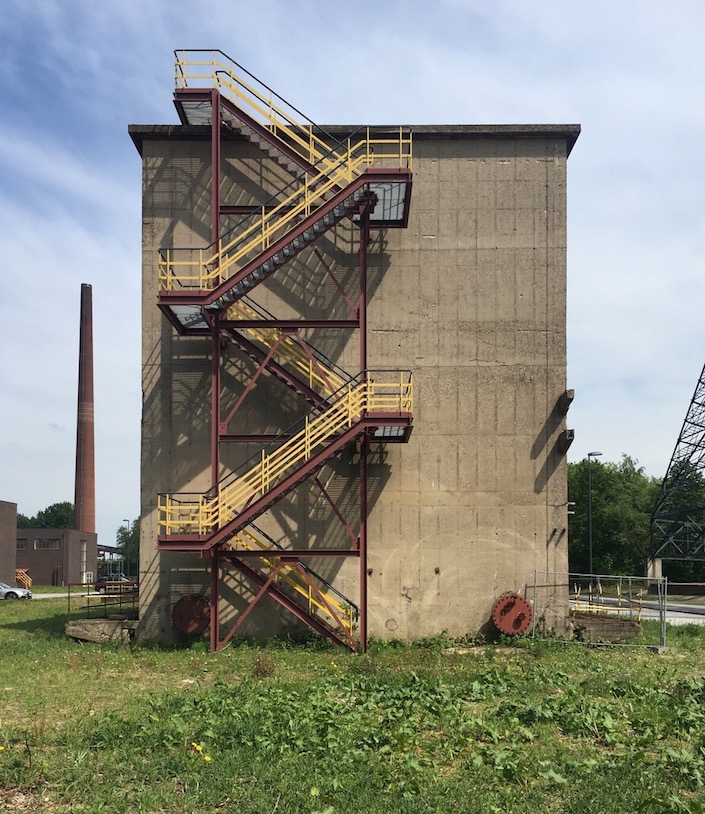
point(613, 602)
point(331, 606)
point(318, 377)
point(216, 69)
point(23, 578)
point(203, 515)
point(206, 268)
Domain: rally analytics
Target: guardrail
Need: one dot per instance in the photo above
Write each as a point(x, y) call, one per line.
point(120, 597)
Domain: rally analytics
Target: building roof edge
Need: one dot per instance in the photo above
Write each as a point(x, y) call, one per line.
point(167, 132)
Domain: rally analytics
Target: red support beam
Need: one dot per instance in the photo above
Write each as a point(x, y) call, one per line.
point(214, 601)
point(329, 272)
point(215, 402)
point(223, 427)
point(364, 447)
point(262, 591)
point(215, 164)
point(291, 324)
point(278, 595)
point(296, 553)
point(338, 514)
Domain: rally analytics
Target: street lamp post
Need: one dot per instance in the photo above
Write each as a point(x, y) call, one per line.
point(590, 456)
point(127, 541)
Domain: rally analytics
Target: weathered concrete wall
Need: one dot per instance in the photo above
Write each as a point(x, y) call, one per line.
point(474, 303)
point(471, 297)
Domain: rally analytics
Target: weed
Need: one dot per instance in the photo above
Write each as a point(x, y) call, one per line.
point(264, 666)
point(298, 728)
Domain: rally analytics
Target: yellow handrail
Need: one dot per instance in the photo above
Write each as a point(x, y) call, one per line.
point(331, 607)
point(203, 515)
point(206, 268)
point(288, 351)
point(255, 99)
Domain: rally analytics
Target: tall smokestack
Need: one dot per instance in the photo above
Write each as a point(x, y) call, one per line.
point(84, 495)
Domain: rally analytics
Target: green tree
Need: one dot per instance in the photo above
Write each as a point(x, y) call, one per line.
point(56, 516)
point(128, 544)
point(622, 498)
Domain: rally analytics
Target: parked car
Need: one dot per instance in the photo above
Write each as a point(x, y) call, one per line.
point(109, 584)
point(10, 592)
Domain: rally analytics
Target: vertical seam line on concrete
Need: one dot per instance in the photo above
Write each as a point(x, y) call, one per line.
point(547, 340)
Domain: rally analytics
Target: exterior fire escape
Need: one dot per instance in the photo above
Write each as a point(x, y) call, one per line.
point(206, 292)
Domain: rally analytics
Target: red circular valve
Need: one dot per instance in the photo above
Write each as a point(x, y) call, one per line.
point(511, 614)
point(191, 614)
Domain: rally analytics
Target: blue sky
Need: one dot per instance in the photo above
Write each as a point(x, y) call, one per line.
point(75, 73)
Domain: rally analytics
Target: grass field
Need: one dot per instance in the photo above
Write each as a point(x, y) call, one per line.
point(520, 726)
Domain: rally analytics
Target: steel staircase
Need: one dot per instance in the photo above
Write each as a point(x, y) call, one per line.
point(199, 522)
point(224, 272)
point(248, 106)
point(330, 606)
point(313, 376)
point(204, 291)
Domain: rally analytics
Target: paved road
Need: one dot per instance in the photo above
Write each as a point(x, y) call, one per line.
point(63, 595)
point(677, 613)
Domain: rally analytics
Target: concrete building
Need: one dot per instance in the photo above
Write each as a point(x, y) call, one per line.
point(468, 294)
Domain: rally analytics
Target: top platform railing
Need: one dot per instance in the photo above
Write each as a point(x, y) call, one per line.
point(212, 68)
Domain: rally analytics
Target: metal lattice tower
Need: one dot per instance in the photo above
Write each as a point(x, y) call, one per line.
point(678, 516)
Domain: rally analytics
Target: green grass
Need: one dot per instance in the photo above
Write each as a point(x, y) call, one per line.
point(522, 726)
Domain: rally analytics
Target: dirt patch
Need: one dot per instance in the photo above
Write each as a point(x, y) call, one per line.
point(478, 649)
point(28, 801)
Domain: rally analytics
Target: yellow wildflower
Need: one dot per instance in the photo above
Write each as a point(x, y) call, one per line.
point(207, 758)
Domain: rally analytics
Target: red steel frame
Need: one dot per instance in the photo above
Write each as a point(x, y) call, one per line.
point(219, 434)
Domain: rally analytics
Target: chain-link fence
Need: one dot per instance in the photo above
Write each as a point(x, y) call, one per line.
point(599, 608)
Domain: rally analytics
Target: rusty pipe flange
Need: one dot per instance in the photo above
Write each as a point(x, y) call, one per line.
point(511, 614)
point(191, 614)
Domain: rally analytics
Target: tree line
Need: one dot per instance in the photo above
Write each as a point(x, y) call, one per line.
point(623, 496)
point(60, 516)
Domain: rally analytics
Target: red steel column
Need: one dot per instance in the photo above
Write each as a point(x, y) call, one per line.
point(214, 602)
point(215, 165)
point(215, 365)
point(215, 402)
point(362, 306)
point(215, 234)
point(84, 493)
point(364, 443)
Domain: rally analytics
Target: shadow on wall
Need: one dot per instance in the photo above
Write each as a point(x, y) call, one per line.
point(176, 411)
point(177, 189)
point(556, 452)
point(323, 282)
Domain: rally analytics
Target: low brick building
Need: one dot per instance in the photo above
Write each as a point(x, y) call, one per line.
point(8, 529)
point(56, 556)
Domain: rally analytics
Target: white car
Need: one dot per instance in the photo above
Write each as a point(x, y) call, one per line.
point(8, 592)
